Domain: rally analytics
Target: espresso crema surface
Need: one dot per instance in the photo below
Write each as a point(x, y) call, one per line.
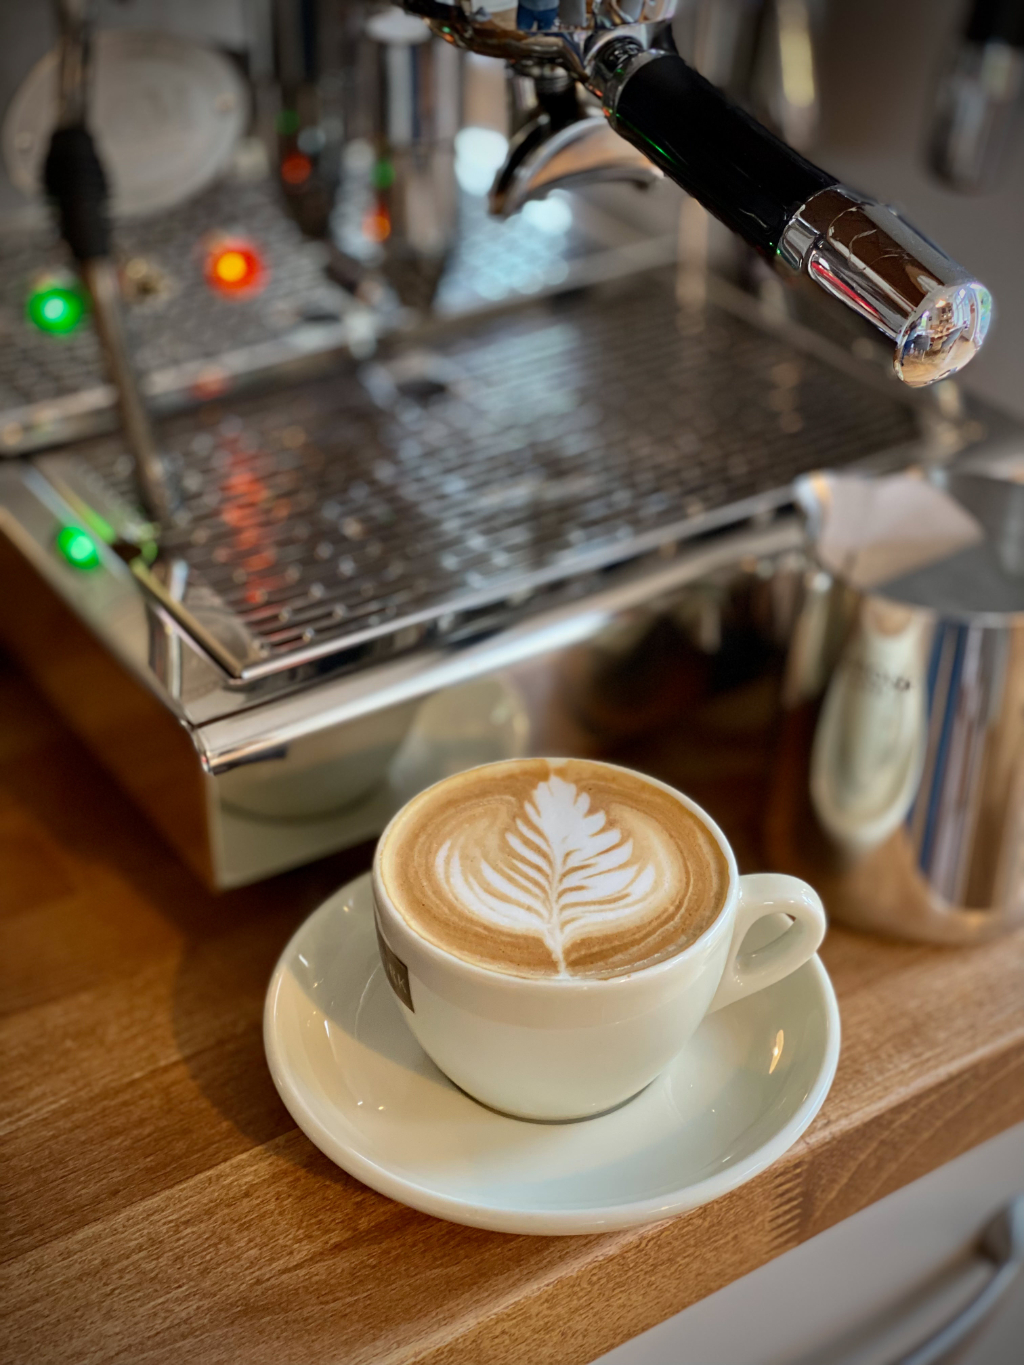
point(561, 868)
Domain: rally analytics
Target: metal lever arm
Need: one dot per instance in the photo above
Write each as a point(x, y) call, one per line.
point(794, 213)
point(74, 180)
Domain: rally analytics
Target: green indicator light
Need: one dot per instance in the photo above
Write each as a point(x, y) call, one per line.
point(56, 309)
point(287, 122)
point(78, 547)
point(383, 174)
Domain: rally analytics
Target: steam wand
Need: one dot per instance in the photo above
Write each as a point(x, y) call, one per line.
point(75, 181)
point(795, 214)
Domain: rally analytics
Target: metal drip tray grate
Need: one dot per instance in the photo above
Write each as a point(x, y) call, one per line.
point(525, 453)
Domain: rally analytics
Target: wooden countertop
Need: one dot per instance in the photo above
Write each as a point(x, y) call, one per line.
point(159, 1204)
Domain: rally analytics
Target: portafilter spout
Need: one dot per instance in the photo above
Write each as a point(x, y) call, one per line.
point(75, 181)
point(564, 143)
point(798, 216)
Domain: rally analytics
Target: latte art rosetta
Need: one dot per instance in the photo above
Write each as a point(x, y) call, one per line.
point(566, 870)
point(572, 868)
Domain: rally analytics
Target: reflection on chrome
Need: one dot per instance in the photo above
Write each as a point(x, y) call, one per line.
point(869, 746)
point(864, 254)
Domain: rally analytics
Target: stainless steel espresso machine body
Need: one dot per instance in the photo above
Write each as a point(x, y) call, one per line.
point(353, 545)
point(389, 544)
point(398, 202)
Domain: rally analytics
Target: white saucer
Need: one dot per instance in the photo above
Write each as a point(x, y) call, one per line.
point(358, 1084)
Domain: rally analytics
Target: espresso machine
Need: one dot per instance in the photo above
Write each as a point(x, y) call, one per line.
point(363, 483)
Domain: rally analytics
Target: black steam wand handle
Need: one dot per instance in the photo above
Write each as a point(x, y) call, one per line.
point(740, 172)
point(864, 254)
point(75, 182)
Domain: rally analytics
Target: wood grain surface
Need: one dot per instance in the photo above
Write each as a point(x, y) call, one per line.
point(159, 1204)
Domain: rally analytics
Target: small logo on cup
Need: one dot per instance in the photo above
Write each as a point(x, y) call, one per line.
point(395, 970)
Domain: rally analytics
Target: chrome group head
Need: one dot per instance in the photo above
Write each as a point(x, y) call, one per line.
point(541, 34)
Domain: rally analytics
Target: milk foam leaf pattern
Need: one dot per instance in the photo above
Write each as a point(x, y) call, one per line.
point(568, 871)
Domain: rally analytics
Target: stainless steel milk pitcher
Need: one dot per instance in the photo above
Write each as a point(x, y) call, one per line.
point(899, 784)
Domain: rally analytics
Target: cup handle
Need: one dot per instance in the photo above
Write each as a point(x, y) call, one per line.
point(768, 893)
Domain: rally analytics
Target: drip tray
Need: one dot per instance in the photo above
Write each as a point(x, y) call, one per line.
point(456, 490)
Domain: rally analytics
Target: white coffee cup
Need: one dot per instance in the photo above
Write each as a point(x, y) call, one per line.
point(559, 1048)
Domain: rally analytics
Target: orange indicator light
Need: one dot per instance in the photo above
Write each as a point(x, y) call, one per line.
point(377, 224)
point(235, 267)
point(231, 267)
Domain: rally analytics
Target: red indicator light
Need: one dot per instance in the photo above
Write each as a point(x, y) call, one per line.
point(235, 267)
point(296, 169)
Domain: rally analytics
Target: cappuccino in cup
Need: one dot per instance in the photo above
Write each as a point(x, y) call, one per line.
point(543, 869)
point(556, 929)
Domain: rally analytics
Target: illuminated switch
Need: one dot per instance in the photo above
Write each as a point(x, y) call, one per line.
point(78, 547)
point(55, 306)
point(235, 267)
